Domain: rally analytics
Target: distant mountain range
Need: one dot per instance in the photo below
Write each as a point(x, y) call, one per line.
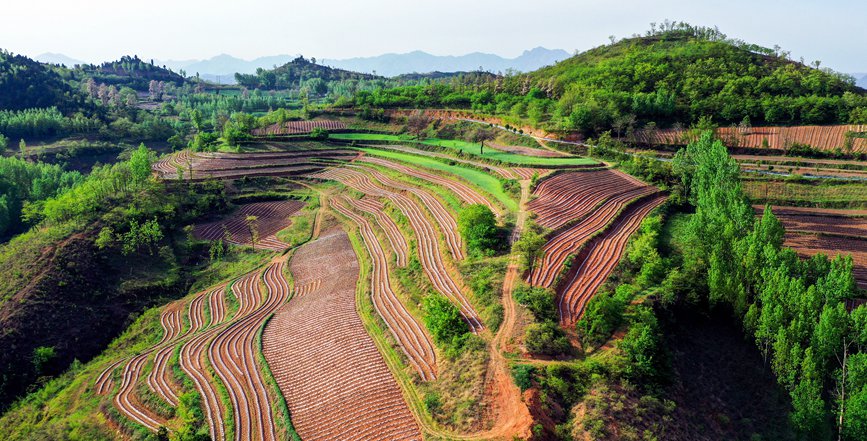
point(390, 65)
point(860, 79)
point(222, 67)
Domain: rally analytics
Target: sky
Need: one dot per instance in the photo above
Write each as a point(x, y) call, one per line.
point(832, 31)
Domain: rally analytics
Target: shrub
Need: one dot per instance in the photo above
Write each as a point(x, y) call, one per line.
point(478, 226)
point(546, 339)
point(604, 313)
point(540, 301)
point(443, 320)
point(319, 134)
point(522, 374)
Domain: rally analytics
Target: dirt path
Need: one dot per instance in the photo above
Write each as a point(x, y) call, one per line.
point(513, 417)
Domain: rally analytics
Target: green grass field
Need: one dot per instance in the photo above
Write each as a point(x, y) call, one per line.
point(470, 149)
point(483, 180)
point(512, 158)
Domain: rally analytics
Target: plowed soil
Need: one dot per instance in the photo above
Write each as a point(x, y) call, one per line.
point(335, 382)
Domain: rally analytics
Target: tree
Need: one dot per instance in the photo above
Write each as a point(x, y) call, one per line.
point(140, 164)
point(145, 235)
point(417, 122)
point(22, 147)
point(478, 226)
point(4, 143)
point(530, 244)
point(253, 227)
point(443, 320)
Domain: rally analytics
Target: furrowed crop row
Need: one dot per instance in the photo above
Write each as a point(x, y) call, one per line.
point(463, 191)
point(335, 381)
point(428, 245)
point(567, 242)
point(233, 355)
point(298, 127)
point(447, 223)
point(159, 379)
point(392, 232)
point(598, 260)
point(271, 218)
point(526, 173)
point(409, 334)
point(570, 196)
point(126, 401)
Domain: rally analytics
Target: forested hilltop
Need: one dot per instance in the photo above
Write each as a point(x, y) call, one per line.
point(674, 74)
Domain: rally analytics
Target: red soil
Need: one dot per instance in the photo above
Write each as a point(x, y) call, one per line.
point(336, 384)
point(298, 127)
point(272, 217)
point(409, 333)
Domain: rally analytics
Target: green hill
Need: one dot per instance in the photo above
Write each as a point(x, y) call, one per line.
point(26, 84)
point(297, 73)
point(131, 72)
point(681, 73)
point(677, 74)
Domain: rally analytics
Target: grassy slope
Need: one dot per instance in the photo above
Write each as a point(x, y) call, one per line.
point(470, 149)
point(68, 404)
point(483, 180)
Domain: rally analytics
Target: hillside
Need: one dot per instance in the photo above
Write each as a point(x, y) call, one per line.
point(131, 72)
point(682, 73)
point(25, 84)
point(293, 73)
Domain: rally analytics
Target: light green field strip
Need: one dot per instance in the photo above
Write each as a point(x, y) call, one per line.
point(471, 149)
point(486, 182)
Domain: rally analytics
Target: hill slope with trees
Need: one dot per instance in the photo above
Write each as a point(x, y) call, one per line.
point(675, 74)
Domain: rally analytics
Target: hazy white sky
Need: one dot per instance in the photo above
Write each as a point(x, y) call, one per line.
point(833, 31)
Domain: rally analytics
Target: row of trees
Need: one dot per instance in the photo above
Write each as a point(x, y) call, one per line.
point(24, 186)
point(794, 309)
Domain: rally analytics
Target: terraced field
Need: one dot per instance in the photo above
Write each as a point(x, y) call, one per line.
point(298, 127)
point(430, 253)
point(271, 217)
point(831, 232)
point(218, 165)
point(591, 215)
point(335, 382)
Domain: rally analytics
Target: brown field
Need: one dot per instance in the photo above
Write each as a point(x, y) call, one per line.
point(826, 138)
point(430, 253)
point(335, 382)
point(830, 232)
point(271, 218)
point(592, 214)
point(298, 127)
point(218, 165)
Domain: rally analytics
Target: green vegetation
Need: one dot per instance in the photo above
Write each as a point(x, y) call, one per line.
point(822, 193)
point(793, 309)
point(485, 279)
point(544, 336)
point(474, 149)
point(675, 73)
point(299, 73)
point(24, 186)
point(27, 84)
point(477, 225)
point(443, 320)
point(468, 148)
point(486, 182)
